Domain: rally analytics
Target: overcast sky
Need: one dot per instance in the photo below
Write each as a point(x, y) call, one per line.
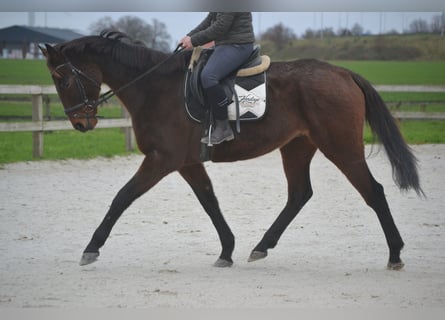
point(226, 5)
point(179, 23)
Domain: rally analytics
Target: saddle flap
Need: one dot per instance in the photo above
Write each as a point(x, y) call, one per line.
point(246, 87)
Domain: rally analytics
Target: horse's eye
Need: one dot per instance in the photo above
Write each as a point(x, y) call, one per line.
point(63, 83)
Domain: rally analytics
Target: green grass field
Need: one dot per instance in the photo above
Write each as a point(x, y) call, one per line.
point(17, 146)
point(398, 72)
point(378, 72)
point(24, 72)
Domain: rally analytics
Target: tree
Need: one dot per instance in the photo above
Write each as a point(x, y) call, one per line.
point(357, 30)
point(344, 32)
point(159, 38)
point(325, 33)
point(418, 26)
point(155, 36)
point(309, 34)
point(322, 33)
point(135, 27)
point(436, 24)
point(280, 35)
point(102, 24)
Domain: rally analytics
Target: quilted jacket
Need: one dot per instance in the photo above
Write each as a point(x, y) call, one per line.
point(224, 28)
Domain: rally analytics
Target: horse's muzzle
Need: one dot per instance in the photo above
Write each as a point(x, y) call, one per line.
point(80, 127)
point(85, 124)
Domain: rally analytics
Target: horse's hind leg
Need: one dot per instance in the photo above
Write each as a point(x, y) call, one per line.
point(354, 166)
point(296, 156)
point(197, 178)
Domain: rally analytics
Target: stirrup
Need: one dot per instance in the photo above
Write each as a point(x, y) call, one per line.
point(206, 139)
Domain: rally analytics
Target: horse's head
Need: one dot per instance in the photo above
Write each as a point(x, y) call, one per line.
point(78, 86)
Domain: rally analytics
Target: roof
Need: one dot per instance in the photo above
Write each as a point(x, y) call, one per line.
point(20, 34)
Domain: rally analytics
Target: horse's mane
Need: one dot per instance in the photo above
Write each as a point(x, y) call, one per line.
point(123, 49)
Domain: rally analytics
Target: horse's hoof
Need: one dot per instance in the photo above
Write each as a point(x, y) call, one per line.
point(88, 257)
point(395, 266)
point(257, 255)
point(221, 263)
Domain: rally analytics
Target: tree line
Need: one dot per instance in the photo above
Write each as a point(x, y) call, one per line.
point(281, 35)
point(156, 36)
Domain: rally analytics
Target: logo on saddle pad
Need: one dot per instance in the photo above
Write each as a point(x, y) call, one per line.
point(252, 103)
point(246, 88)
point(248, 100)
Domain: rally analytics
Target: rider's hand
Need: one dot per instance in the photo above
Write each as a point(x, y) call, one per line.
point(186, 42)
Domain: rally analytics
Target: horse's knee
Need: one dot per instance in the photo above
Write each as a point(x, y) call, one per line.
point(299, 199)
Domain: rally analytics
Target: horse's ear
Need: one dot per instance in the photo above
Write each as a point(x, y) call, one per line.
point(50, 52)
point(44, 51)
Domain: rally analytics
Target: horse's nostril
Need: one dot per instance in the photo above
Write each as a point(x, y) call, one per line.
point(80, 127)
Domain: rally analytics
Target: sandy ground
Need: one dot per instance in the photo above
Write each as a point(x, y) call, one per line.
point(160, 254)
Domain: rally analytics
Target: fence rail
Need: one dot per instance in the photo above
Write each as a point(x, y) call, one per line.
point(38, 125)
point(410, 88)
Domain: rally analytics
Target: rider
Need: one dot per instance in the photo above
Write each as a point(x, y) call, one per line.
point(233, 35)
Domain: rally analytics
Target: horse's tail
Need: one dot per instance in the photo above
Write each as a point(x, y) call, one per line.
point(385, 127)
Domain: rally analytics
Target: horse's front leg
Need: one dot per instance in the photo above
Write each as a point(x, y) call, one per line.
point(151, 171)
point(197, 178)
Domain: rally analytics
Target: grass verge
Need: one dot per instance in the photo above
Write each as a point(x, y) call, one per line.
point(17, 146)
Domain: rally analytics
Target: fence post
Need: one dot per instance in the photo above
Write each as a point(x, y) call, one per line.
point(37, 116)
point(129, 133)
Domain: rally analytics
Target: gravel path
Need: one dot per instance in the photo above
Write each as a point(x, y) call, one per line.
point(161, 251)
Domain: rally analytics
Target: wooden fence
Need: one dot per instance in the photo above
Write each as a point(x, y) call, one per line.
point(420, 115)
point(38, 125)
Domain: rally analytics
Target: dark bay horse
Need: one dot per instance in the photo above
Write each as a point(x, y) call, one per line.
point(311, 105)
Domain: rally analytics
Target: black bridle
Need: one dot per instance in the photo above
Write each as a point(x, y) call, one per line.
point(89, 107)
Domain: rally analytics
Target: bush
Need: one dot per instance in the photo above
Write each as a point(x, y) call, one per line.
point(382, 47)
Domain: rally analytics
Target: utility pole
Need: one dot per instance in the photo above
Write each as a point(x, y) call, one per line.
point(259, 23)
point(443, 24)
point(31, 19)
point(380, 23)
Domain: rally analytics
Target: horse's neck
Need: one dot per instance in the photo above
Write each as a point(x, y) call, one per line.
point(116, 74)
point(130, 90)
point(133, 93)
